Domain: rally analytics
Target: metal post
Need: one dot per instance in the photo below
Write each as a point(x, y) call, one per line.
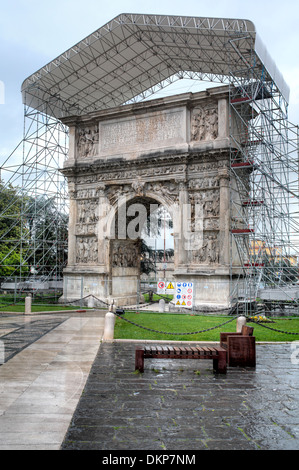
point(15, 293)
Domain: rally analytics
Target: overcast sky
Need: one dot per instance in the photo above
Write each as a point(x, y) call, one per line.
point(34, 32)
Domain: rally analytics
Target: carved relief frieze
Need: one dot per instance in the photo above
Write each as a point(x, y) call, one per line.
point(205, 205)
point(167, 189)
point(204, 182)
point(116, 192)
point(87, 141)
point(130, 171)
point(87, 211)
point(86, 250)
point(208, 254)
point(204, 123)
point(125, 255)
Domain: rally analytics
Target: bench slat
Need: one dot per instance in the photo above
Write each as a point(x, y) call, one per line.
point(218, 354)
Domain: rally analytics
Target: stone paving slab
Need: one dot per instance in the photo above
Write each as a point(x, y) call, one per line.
point(183, 405)
point(25, 331)
point(40, 384)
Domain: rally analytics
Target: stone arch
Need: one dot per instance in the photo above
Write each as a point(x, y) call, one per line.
point(152, 152)
point(124, 244)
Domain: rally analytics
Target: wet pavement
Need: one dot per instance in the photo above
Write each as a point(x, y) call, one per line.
point(47, 359)
point(183, 405)
point(61, 388)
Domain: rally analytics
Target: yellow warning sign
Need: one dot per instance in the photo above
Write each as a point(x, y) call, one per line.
point(178, 303)
point(170, 286)
point(183, 303)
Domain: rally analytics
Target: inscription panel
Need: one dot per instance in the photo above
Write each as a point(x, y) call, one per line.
point(139, 133)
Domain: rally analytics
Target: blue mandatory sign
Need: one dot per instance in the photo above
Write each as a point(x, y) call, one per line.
point(178, 296)
point(184, 284)
point(179, 290)
point(178, 284)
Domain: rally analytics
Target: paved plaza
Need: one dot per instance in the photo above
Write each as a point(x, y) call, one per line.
point(61, 388)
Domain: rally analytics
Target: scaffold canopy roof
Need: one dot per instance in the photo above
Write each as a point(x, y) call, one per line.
point(134, 55)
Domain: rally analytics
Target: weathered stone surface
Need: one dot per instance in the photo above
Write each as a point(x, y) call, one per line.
point(173, 152)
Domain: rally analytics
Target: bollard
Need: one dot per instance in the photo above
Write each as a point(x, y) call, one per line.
point(90, 302)
point(109, 326)
point(161, 305)
point(240, 322)
point(28, 302)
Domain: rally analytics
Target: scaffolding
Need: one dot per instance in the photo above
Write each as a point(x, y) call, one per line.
point(130, 59)
point(264, 189)
point(33, 239)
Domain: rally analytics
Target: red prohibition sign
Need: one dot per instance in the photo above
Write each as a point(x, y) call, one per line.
point(161, 285)
point(189, 291)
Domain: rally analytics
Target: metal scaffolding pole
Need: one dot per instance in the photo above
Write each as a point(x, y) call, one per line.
point(264, 188)
point(33, 238)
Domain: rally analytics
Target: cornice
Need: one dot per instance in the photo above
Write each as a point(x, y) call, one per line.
point(103, 166)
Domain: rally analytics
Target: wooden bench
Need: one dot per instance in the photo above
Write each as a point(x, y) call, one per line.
point(217, 353)
point(240, 347)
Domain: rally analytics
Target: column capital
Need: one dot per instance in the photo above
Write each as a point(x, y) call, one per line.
point(223, 173)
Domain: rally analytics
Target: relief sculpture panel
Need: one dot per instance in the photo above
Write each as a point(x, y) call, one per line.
point(209, 252)
point(125, 255)
point(204, 125)
point(87, 141)
point(87, 250)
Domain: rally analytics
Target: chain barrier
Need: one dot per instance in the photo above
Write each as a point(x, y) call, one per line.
point(171, 333)
point(164, 332)
point(273, 329)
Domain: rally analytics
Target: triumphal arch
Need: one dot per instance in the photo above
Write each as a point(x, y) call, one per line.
point(218, 160)
point(123, 163)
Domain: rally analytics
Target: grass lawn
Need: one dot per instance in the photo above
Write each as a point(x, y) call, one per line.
point(185, 323)
point(39, 304)
point(20, 308)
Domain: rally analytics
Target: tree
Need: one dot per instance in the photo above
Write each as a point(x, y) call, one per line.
point(10, 214)
point(11, 262)
point(33, 234)
point(11, 255)
point(48, 234)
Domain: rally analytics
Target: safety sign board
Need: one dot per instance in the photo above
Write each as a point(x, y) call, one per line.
point(170, 287)
point(184, 294)
point(165, 287)
point(161, 287)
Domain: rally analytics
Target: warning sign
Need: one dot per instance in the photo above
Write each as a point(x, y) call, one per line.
point(170, 287)
point(184, 294)
point(161, 287)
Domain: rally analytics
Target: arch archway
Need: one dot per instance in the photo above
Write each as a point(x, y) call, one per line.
point(151, 155)
point(129, 221)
